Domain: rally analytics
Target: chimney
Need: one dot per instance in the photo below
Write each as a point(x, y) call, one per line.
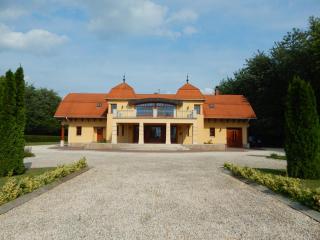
point(216, 91)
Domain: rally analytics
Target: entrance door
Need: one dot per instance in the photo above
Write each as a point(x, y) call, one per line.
point(135, 133)
point(99, 134)
point(234, 137)
point(154, 133)
point(174, 136)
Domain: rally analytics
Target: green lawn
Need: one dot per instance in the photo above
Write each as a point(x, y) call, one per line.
point(277, 156)
point(307, 183)
point(30, 172)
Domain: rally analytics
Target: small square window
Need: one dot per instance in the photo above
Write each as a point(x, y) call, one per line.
point(211, 105)
point(79, 131)
point(212, 132)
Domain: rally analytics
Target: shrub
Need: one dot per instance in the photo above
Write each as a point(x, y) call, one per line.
point(28, 152)
point(41, 138)
point(286, 185)
point(16, 187)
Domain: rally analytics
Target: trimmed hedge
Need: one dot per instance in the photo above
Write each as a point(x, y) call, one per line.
point(41, 138)
point(16, 187)
point(290, 187)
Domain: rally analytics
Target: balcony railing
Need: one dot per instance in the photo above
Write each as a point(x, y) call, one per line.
point(154, 114)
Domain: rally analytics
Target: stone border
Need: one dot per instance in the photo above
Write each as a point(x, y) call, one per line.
point(27, 197)
point(315, 215)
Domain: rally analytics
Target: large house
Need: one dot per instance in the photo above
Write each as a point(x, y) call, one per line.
point(186, 117)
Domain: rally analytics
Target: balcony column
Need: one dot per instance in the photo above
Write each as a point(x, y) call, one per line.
point(62, 136)
point(141, 133)
point(168, 133)
point(194, 134)
point(114, 136)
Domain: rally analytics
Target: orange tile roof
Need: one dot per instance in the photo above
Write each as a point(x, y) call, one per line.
point(122, 91)
point(82, 105)
point(189, 92)
point(227, 107)
point(157, 95)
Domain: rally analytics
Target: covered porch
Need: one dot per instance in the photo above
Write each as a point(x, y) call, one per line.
point(149, 132)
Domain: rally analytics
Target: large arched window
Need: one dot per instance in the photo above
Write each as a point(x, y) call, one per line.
point(163, 109)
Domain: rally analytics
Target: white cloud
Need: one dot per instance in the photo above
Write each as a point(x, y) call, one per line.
point(185, 15)
point(35, 40)
point(207, 90)
point(136, 17)
point(189, 30)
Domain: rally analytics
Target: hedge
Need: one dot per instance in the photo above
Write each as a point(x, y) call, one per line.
point(290, 187)
point(41, 138)
point(16, 187)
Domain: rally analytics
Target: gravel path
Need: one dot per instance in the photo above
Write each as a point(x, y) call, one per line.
point(155, 196)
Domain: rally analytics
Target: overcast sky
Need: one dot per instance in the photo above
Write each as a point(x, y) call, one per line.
point(87, 45)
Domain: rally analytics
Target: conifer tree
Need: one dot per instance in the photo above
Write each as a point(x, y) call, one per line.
point(20, 119)
point(302, 144)
point(8, 154)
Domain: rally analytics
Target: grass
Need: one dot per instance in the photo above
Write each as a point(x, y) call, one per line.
point(306, 183)
point(28, 173)
point(276, 156)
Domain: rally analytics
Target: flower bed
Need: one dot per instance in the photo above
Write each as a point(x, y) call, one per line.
point(16, 187)
point(291, 187)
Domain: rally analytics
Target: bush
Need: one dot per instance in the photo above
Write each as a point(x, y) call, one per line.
point(16, 187)
point(41, 138)
point(288, 186)
point(28, 152)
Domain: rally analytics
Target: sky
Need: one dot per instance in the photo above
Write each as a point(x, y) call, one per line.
point(88, 45)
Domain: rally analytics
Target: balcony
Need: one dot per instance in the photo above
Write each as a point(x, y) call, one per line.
point(155, 113)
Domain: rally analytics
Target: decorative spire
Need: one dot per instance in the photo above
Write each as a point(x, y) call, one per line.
point(124, 78)
point(187, 78)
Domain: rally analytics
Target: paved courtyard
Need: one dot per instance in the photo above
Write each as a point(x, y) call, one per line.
point(132, 195)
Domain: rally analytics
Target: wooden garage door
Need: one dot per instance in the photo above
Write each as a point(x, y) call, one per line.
point(234, 137)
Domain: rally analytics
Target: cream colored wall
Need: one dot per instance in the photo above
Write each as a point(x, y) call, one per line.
point(199, 128)
point(88, 134)
point(128, 133)
point(221, 131)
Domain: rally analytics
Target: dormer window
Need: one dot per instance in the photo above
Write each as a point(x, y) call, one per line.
point(99, 104)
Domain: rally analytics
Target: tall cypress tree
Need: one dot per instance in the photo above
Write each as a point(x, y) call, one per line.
point(20, 120)
point(302, 143)
point(8, 134)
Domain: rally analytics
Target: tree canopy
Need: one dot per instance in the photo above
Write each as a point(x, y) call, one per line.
point(41, 105)
point(265, 77)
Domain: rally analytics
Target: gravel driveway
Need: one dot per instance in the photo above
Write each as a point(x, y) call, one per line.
point(155, 196)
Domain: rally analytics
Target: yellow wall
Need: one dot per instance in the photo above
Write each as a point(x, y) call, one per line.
point(221, 131)
point(89, 132)
point(199, 128)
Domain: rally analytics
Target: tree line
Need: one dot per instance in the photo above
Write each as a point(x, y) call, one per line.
point(40, 106)
point(265, 78)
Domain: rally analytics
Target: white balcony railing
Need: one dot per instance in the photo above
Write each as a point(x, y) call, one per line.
point(154, 114)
